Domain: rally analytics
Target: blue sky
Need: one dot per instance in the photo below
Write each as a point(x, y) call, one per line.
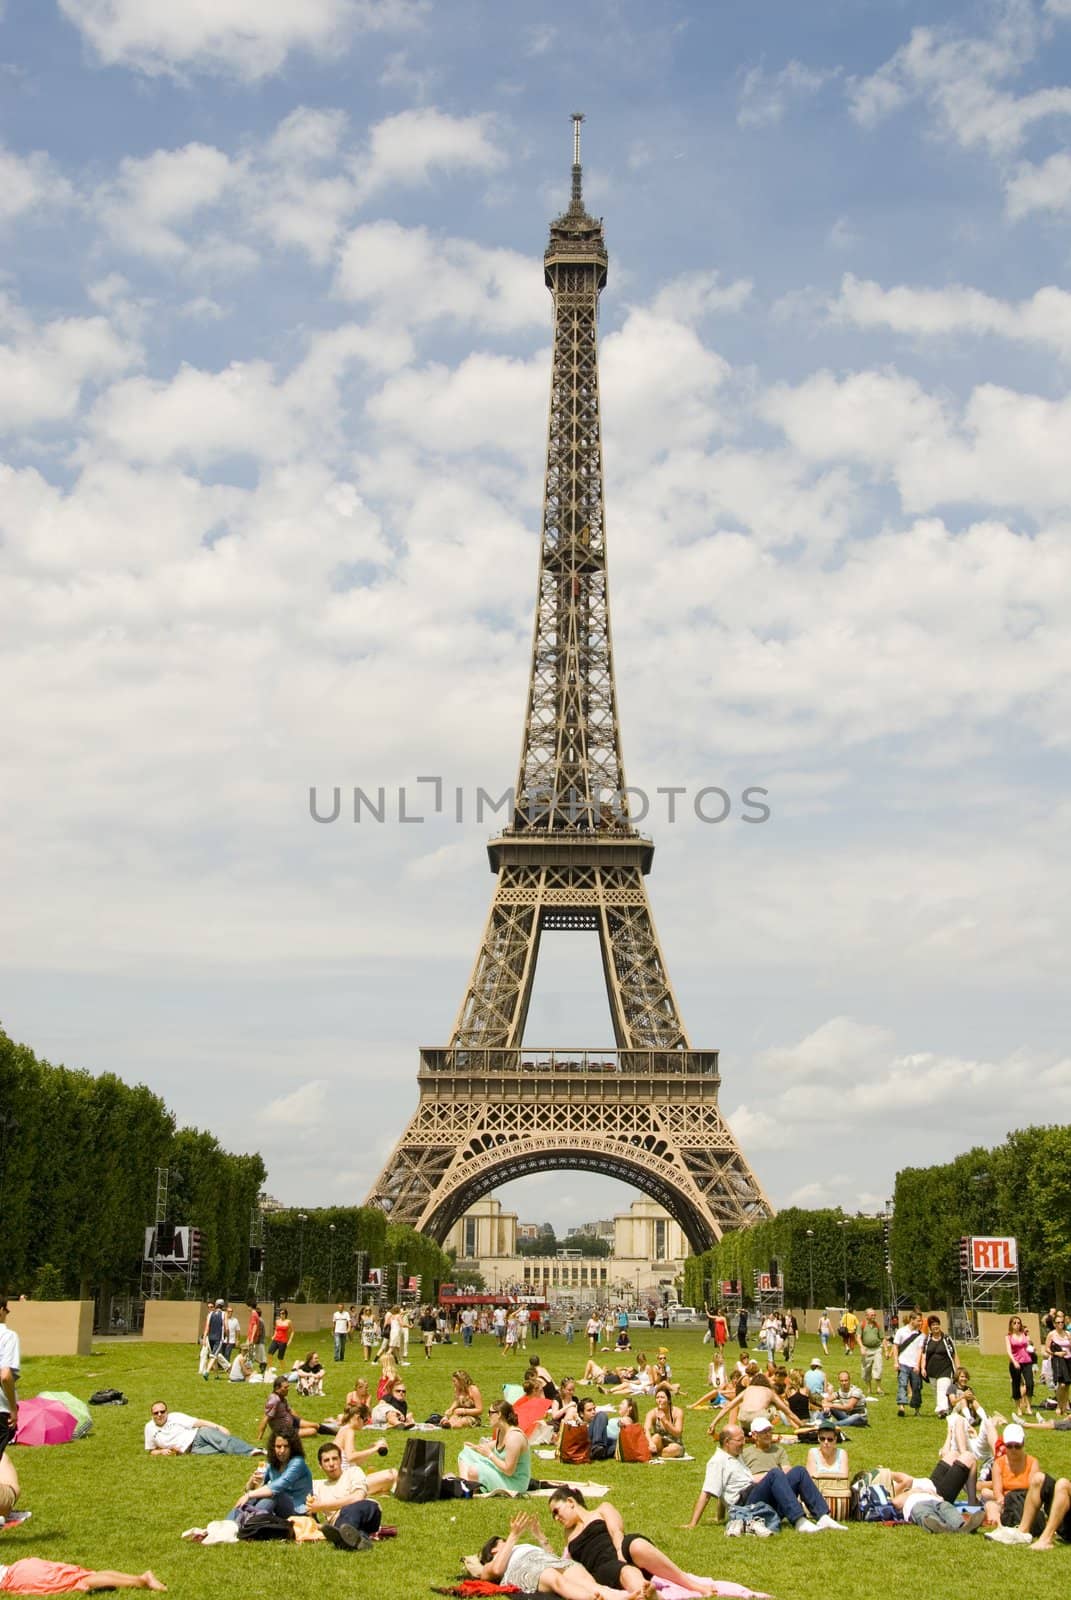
point(274, 352)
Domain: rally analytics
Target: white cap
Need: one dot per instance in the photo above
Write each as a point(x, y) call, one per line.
point(1013, 1434)
point(816, 1361)
point(763, 1425)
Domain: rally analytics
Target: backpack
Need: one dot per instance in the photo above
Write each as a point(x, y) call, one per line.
point(871, 1502)
point(108, 1397)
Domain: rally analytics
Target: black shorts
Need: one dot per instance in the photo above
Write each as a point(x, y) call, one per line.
point(948, 1478)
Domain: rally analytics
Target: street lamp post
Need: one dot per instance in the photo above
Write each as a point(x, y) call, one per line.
point(843, 1226)
point(302, 1219)
point(331, 1261)
point(810, 1266)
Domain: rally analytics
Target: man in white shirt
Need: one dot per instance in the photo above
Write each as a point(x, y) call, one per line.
point(468, 1324)
point(10, 1359)
point(174, 1433)
point(351, 1517)
point(729, 1480)
point(909, 1342)
point(340, 1327)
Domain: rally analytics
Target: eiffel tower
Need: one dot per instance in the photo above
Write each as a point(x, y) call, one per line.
point(493, 1108)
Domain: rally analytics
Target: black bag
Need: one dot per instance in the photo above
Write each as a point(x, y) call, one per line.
point(108, 1397)
point(263, 1525)
point(420, 1475)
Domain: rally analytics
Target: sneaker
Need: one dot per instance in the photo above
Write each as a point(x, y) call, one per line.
point(1008, 1536)
point(933, 1524)
point(343, 1536)
point(827, 1522)
point(803, 1526)
point(974, 1520)
point(760, 1530)
point(734, 1529)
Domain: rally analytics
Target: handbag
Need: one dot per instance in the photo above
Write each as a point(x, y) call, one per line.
point(633, 1443)
point(420, 1475)
point(575, 1446)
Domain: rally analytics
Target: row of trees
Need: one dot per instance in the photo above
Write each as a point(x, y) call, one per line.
point(547, 1243)
point(1020, 1188)
point(327, 1253)
point(78, 1162)
point(816, 1251)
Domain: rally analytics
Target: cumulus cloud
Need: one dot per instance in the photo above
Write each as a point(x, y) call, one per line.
point(153, 198)
point(1001, 448)
point(241, 37)
point(412, 278)
point(303, 1107)
point(45, 367)
point(1044, 187)
point(960, 77)
point(1044, 319)
point(29, 183)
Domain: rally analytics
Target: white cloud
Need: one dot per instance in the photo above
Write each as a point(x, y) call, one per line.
point(766, 97)
point(1044, 319)
point(28, 183)
point(412, 146)
point(1046, 187)
point(153, 197)
point(487, 402)
point(43, 369)
point(699, 294)
point(245, 38)
point(1003, 449)
point(959, 76)
point(411, 277)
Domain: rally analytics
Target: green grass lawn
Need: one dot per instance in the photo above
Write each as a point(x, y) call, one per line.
point(102, 1502)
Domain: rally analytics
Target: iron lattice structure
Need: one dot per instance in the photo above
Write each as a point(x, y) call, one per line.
point(647, 1110)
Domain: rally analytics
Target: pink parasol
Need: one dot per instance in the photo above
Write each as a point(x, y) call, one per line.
point(44, 1422)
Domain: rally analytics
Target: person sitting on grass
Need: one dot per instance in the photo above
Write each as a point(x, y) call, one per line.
point(845, 1405)
point(344, 1498)
point(757, 1399)
point(664, 1425)
point(1046, 1515)
point(501, 1462)
point(533, 1568)
point(31, 1575)
point(310, 1374)
point(352, 1422)
point(279, 1418)
point(827, 1462)
point(466, 1408)
point(174, 1433)
point(392, 1411)
point(614, 1558)
point(285, 1485)
point(792, 1494)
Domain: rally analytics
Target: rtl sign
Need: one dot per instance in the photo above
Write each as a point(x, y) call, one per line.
point(994, 1255)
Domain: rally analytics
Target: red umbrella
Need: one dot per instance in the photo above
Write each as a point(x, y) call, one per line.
point(44, 1422)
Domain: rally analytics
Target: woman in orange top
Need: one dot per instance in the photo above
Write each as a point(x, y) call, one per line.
point(1005, 1494)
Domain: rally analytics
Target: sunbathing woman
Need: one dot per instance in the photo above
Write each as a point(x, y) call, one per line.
point(524, 1559)
point(757, 1400)
point(466, 1408)
point(597, 1539)
point(32, 1575)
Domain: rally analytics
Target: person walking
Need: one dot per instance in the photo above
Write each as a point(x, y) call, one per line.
point(340, 1328)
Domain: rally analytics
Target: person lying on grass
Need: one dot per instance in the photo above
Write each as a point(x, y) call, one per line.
point(174, 1433)
point(614, 1558)
point(31, 1575)
point(534, 1568)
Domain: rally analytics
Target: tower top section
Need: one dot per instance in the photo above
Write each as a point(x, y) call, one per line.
point(575, 236)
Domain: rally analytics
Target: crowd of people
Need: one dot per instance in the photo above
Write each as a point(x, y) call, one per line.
point(756, 1407)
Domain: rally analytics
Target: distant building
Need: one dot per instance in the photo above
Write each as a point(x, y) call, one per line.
point(598, 1230)
point(648, 1251)
point(527, 1232)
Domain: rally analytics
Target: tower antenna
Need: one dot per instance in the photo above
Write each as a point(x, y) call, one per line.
point(577, 200)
